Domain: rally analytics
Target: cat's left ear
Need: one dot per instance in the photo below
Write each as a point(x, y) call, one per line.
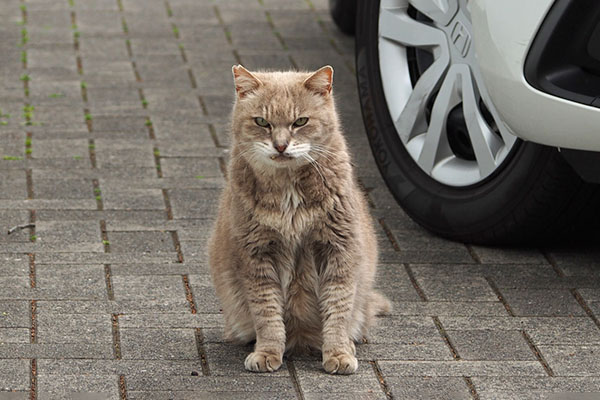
point(245, 81)
point(321, 81)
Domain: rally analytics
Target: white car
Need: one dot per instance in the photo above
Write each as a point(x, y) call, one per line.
point(483, 115)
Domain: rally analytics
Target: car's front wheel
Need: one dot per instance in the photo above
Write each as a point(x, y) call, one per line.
point(440, 144)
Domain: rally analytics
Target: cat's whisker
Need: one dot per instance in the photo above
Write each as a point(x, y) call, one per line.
point(315, 165)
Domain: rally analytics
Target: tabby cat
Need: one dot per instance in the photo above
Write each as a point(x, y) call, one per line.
point(293, 253)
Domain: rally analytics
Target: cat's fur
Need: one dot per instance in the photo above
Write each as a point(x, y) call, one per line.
point(294, 252)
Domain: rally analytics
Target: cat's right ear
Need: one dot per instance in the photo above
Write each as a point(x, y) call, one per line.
point(245, 82)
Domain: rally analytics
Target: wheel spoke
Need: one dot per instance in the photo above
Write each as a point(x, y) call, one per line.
point(395, 24)
point(412, 120)
point(485, 143)
point(440, 11)
point(508, 138)
point(436, 145)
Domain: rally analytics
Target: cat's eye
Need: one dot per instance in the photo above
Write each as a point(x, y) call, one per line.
point(262, 122)
point(300, 122)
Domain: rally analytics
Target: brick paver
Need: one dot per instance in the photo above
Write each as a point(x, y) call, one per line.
point(113, 141)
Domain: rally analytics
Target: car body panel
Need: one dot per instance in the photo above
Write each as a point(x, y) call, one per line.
point(503, 32)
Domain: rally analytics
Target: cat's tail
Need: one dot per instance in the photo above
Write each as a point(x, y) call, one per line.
point(381, 305)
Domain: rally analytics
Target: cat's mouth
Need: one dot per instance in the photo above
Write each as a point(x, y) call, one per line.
point(281, 157)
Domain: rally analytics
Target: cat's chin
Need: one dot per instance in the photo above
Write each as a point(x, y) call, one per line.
point(280, 161)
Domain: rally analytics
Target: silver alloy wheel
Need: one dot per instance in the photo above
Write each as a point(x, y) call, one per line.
point(453, 79)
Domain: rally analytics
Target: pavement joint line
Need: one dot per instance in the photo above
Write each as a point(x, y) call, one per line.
point(213, 135)
point(226, 30)
point(122, 387)
point(366, 191)
point(116, 336)
point(223, 166)
point(237, 57)
point(498, 294)
point(537, 353)
point(167, 201)
point(97, 194)
point(446, 338)
point(274, 29)
point(108, 279)
point(585, 307)
point(559, 272)
point(332, 41)
point(32, 231)
point(33, 380)
point(203, 107)
point(473, 253)
point(471, 386)
point(29, 182)
point(199, 336)
point(381, 378)
point(33, 316)
point(104, 233)
point(413, 281)
point(389, 234)
point(177, 245)
point(294, 377)
point(189, 295)
point(32, 277)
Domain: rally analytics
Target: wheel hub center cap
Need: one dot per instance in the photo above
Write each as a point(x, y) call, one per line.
point(460, 38)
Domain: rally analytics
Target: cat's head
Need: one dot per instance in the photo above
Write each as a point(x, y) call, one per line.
point(284, 119)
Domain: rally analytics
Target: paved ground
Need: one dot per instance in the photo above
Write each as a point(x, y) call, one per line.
point(113, 137)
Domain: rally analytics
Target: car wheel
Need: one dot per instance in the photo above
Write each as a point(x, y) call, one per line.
point(343, 13)
point(437, 139)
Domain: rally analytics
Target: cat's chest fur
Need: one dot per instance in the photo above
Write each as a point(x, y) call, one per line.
point(287, 210)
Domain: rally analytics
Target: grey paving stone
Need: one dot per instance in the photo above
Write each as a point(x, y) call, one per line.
point(141, 242)
point(426, 387)
point(192, 203)
point(74, 328)
point(59, 350)
point(64, 189)
point(541, 330)
point(68, 281)
point(171, 320)
point(535, 388)
point(489, 345)
point(14, 375)
point(69, 236)
point(161, 344)
point(168, 289)
point(542, 302)
point(14, 335)
point(58, 387)
point(441, 282)
point(15, 314)
point(246, 384)
point(492, 255)
point(461, 368)
point(16, 264)
point(577, 360)
point(228, 360)
point(312, 378)
point(204, 167)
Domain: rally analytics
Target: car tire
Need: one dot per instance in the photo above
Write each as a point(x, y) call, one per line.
point(532, 197)
point(343, 13)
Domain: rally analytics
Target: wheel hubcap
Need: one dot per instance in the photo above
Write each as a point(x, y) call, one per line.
point(445, 117)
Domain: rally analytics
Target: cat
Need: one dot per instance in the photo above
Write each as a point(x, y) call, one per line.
point(293, 252)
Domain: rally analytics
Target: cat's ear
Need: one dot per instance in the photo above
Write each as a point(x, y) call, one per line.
point(321, 81)
point(245, 82)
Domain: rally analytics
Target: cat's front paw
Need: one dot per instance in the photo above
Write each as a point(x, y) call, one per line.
point(340, 363)
point(260, 361)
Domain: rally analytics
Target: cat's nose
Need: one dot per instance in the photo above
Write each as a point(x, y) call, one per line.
point(280, 147)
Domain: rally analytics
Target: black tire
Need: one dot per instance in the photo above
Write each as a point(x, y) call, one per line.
point(343, 13)
point(533, 197)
